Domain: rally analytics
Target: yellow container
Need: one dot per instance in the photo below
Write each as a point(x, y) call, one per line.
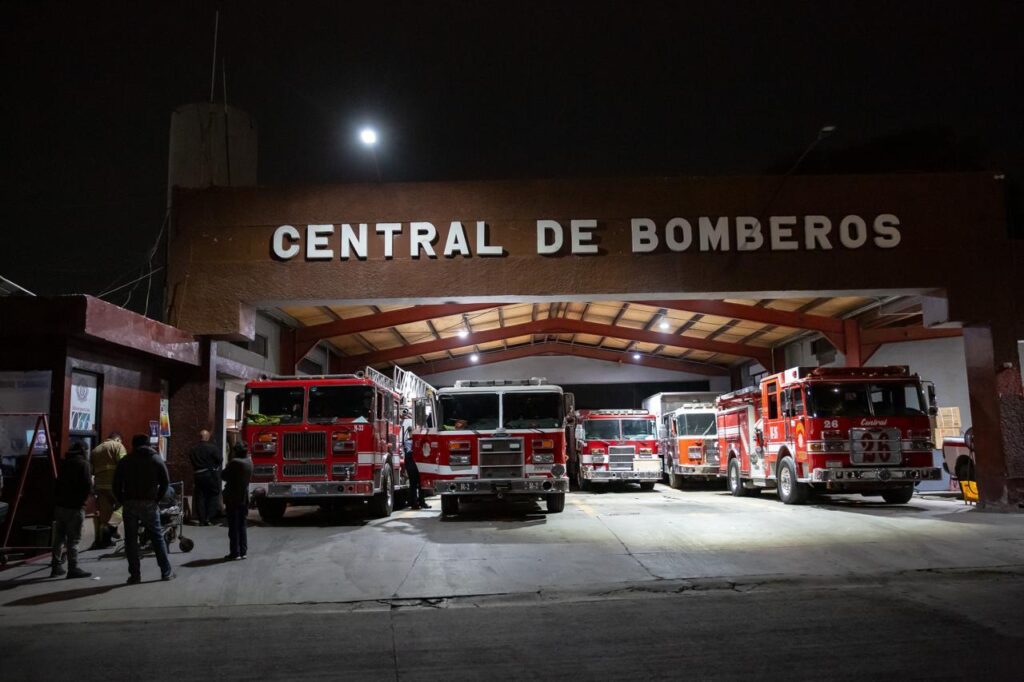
point(970, 490)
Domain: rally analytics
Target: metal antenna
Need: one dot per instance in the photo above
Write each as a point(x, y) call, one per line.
point(213, 65)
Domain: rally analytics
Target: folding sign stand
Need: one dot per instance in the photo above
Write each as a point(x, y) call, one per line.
point(42, 426)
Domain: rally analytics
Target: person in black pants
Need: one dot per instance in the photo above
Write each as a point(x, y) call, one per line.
point(140, 480)
point(236, 476)
point(206, 464)
point(74, 484)
point(416, 500)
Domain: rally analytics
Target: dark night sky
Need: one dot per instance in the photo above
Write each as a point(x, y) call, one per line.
point(464, 90)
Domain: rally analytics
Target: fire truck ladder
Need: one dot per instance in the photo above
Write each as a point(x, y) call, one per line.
point(381, 380)
point(410, 386)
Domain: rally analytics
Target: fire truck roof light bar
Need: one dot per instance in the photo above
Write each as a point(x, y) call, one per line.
point(638, 412)
point(472, 383)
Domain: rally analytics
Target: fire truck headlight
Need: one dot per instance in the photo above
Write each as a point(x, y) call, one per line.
point(815, 447)
point(539, 458)
point(544, 444)
point(458, 460)
point(646, 451)
point(598, 459)
point(558, 470)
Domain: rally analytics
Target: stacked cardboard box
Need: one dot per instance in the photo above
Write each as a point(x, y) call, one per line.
point(947, 425)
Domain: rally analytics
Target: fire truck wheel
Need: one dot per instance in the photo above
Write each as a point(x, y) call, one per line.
point(556, 503)
point(449, 505)
point(675, 480)
point(271, 511)
point(384, 501)
point(647, 486)
point(584, 484)
point(964, 469)
point(736, 488)
point(898, 495)
point(791, 491)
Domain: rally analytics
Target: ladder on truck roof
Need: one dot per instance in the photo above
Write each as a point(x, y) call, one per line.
point(410, 386)
point(381, 380)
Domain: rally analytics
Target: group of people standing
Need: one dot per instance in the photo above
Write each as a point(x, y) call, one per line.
point(130, 486)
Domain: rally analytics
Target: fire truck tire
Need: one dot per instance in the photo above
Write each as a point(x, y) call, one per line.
point(384, 501)
point(898, 495)
point(790, 490)
point(734, 480)
point(964, 469)
point(584, 484)
point(556, 503)
point(449, 505)
point(271, 511)
point(647, 486)
point(675, 480)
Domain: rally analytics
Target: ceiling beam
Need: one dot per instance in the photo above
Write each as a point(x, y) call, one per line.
point(562, 326)
point(871, 337)
point(736, 311)
point(391, 318)
point(553, 348)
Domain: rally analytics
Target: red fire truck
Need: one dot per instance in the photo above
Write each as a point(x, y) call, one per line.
point(690, 441)
point(493, 440)
point(316, 440)
point(843, 430)
point(615, 445)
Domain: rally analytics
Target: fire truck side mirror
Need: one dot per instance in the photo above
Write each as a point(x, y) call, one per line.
point(759, 437)
point(969, 439)
point(239, 399)
point(579, 432)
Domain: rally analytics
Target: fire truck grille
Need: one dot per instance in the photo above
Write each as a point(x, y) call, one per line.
point(304, 469)
point(622, 450)
point(620, 462)
point(310, 445)
point(501, 457)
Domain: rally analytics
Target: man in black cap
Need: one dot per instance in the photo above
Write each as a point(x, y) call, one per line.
point(74, 484)
point(140, 481)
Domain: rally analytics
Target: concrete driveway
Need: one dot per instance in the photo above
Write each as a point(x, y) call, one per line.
point(601, 542)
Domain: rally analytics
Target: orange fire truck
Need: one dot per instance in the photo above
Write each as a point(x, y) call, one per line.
point(615, 445)
point(493, 440)
point(843, 430)
point(689, 441)
point(316, 440)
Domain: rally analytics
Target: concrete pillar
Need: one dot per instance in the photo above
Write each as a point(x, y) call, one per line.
point(997, 414)
point(193, 408)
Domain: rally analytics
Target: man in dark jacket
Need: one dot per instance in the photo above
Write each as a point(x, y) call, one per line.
point(74, 484)
point(236, 500)
point(206, 464)
point(140, 481)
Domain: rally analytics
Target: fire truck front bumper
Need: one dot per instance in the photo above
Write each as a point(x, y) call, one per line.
point(706, 470)
point(317, 489)
point(601, 475)
point(502, 487)
point(876, 475)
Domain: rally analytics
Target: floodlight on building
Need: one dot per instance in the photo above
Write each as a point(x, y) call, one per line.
point(463, 333)
point(474, 357)
point(636, 356)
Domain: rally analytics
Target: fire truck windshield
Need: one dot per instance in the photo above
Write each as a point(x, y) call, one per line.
point(696, 424)
point(601, 429)
point(865, 400)
point(269, 406)
point(532, 410)
point(329, 404)
point(639, 429)
point(469, 411)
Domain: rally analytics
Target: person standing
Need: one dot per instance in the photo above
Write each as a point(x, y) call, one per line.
point(140, 480)
point(416, 500)
point(236, 476)
point(104, 459)
point(74, 483)
point(206, 463)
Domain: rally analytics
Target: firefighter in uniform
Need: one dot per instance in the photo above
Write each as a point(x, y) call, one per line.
point(104, 459)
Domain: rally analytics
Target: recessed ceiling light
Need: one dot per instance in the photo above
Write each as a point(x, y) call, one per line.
point(636, 356)
point(474, 357)
point(463, 333)
point(664, 324)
